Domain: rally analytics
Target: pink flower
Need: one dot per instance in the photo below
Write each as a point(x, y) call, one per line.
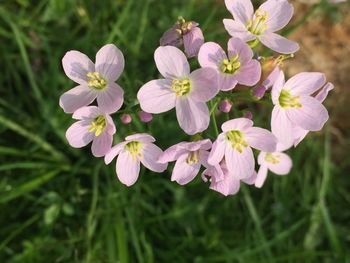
point(93, 125)
point(225, 182)
point(238, 67)
point(299, 133)
point(271, 16)
point(189, 157)
point(248, 115)
point(145, 116)
point(295, 107)
point(277, 162)
point(225, 106)
point(126, 118)
point(259, 91)
point(135, 149)
point(96, 81)
point(187, 92)
point(185, 33)
point(235, 145)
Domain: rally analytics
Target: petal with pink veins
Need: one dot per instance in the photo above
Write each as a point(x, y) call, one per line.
point(305, 83)
point(128, 168)
point(239, 124)
point(141, 137)
point(111, 98)
point(76, 98)
point(284, 165)
point(240, 164)
point(249, 74)
point(281, 126)
point(218, 150)
point(183, 173)
point(262, 174)
point(236, 46)
point(228, 186)
point(211, 55)
point(172, 153)
point(204, 84)
point(279, 13)
point(241, 10)
point(193, 41)
point(277, 87)
point(78, 135)
point(237, 29)
point(76, 65)
point(110, 62)
point(227, 81)
point(278, 43)
point(323, 93)
point(114, 151)
point(260, 139)
point(86, 113)
point(150, 154)
point(101, 144)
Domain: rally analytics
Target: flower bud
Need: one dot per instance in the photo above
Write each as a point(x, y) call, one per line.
point(145, 116)
point(126, 118)
point(259, 91)
point(225, 106)
point(248, 115)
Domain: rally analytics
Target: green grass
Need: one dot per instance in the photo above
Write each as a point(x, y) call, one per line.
point(60, 204)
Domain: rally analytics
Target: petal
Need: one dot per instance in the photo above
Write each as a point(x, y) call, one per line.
point(217, 151)
point(141, 137)
point(238, 47)
point(237, 124)
point(204, 84)
point(193, 116)
point(76, 98)
point(281, 126)
point(228, 186)
point(279, 14)
point(171, 37)
point(211, 55)
point(197, 145)
point(260, 139)
point(283, 167)
point(111, 98)
point(101, 144)
point(277, 87)
point(323, 93)
point(203, 158)
point(305, 83)
point(311, 116)
point(227, 82)
point(78, 135)
point(262, 174)
point(249, 74)
point(241, 10)
point(237, 29)
point(111, 129)
point(110, 62)
point(250, 180)
point(86, 113)
point(76, 65)
point(299, 135)
point(112, 153)
point(128, 168)
point(150, 154)
point(171, 62)
point(172, 153)
point(240, 164)
point(278, 43)
point(272, 78)
point(183, 173)
point(193, 41)
point(156, 96)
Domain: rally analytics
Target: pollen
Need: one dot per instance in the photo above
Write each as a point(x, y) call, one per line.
point(181, 86)
point(272, 158)
point(96, 81)
point(183, 26)
point(134, 148)
point(236, 138)
point(286, 100)
point(192, 158)
point(230, 66)
point(98, 125)
point(258, 25)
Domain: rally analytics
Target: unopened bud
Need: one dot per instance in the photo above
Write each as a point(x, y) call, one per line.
point(145, 116)
point(259, 91)
point(225, 106)
point(248, 115)
point(126, 118)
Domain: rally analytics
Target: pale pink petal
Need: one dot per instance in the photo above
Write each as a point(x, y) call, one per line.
point(193, 116)
point(228, 186)
point(299, 135)
point(281, 126)
point(279, 13)
point(241, 10)
point(171, 62)
point(311, 116)
point(278, 43)
point(272, 78)
point(197, 145)
point(236, 46)
point(203, 158)
point(193, 41)
point(262, 174)
point(141, 137)
point(237, 29)
point(114, 151)
point(283, 167)
point(240, 164)
point(250, 180)
point(323, 93)
point(305, 83)
point(128, 168)
point(277, 87)
point(236, 124)
point(150, 154)
point(215, 172)
point(101, 144)
point(183, 173)
point(171, 37)
point(204, 84)
point(217, 151)
point(227, 81)
point(172, 153)
point(249, 74)
point(78, 135)
point(260, 139)
point(211, 55)
point(111, 129)
point(76, 98)
point(284, 147)
point(156, 96)
point(87, 113)
point(76, 65)
point(111, 98)
point(110, 62)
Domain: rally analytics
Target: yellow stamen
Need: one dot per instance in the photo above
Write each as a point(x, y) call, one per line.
point(184, 26)
point(230, 66)
point(192, 158)
point(286, 100)
point(98, 125)
point(181, 86)
point(96, 81)
point(258, 25)
point(134, 148)
point(237, 140)
point(271, 158)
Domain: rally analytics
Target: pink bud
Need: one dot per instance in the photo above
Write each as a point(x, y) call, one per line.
point(248, 115)
point(145, 116)
point(126, 118)
point(259, 91)
point(225, 106)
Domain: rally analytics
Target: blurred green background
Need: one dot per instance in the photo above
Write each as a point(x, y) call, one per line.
point(59, 204)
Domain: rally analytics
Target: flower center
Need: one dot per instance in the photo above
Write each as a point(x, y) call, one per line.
point(98, 125)
point(96, 81)
point(181, 86)
point(230, 66)
point(192, 158)
point(236, 139)
point(184, 26)
point(258, 25)
point(134, 148)
point(286, 100)
point(270, 158)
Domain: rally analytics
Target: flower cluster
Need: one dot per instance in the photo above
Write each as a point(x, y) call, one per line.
point(228, 157)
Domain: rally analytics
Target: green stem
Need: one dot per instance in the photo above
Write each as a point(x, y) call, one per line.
point(212, 113)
